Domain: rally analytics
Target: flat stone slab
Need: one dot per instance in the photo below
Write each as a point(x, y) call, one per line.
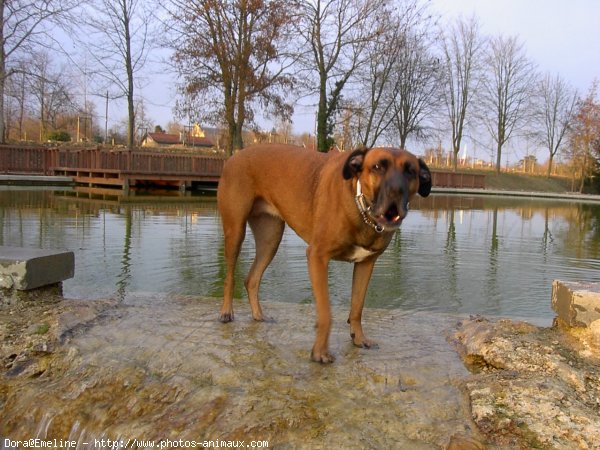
point(29, 268)
point(577, 304)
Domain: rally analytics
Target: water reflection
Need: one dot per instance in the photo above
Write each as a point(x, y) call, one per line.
point(478, 255)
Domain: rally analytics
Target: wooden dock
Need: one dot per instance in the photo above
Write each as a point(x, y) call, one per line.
point(115, 168)
point(121, 168)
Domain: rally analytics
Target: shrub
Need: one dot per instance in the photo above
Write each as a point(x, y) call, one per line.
point(60, 136)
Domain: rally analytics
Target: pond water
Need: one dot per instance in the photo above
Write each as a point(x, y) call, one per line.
point(495, 256)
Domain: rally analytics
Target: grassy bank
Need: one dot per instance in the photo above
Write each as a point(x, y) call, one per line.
point(521, 182)
point(524, 182)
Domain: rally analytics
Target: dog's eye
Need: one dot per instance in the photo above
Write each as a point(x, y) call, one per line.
point(380, 166)
point(409, 169)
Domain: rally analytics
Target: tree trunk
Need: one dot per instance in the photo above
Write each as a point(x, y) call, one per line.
point(456, 141)
point(22, 108)
point(549, 172)
point(403, 137)
point(231, 134)
point(237, 140)
point(130, 119)
point(322, 132)
point(322, 141)
point(2, 73)
point(2, 88)
point(498, 158)
point(455, 152)
point(129, 69)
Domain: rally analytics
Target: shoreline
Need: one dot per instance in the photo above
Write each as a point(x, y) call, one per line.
point(53, 181)
point(569, 196)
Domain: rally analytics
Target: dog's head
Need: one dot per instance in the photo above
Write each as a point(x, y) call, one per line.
point(389, 179)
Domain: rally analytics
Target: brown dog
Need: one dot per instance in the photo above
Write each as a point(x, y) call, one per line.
point(345, 207)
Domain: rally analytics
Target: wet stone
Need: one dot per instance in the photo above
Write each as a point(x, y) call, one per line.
point(165, 367)
point(28, 268)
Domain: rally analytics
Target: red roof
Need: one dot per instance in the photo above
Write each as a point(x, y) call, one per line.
point(165, 138)
point(174, 139)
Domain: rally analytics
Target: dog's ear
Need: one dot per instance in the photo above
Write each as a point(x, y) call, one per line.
point(354, 163)
point(424, 179)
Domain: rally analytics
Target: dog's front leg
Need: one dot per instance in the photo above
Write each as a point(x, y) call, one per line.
point(318, 268)
point(360, 283)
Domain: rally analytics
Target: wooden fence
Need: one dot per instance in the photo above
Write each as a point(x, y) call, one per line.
point(52, 161)
point(27, 160)
point(122, 166)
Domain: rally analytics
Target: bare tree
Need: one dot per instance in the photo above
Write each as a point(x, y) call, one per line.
point(118, 43)
point(49, 90)
point(462, 48)
point(584, 137)
point(24, 26)
point(143, 121)
point(394, 58)
point(506, 90)
point(284, 130)
point(415, 92)
point(368, 115)
point(554, 114)
point(16, 101)
point(232, 57)
point(337, 34)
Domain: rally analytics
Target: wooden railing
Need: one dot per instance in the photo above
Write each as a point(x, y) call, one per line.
point(142, 162)
point(44, 161)
point(27, 160)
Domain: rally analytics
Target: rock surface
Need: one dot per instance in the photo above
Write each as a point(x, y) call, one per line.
point(577, 304)
point(532, 387)
point(162, 367)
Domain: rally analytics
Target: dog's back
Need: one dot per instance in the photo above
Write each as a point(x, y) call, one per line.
point(280, 180)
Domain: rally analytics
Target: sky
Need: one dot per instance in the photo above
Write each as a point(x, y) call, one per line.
point(560, 37)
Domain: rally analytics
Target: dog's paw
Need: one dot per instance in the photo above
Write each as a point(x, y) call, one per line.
point(267, 319)
point(262, 318)
point(363, 342)
point(322, 357)
point(226, 317)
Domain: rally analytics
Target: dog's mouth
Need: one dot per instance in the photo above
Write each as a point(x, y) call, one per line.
point(392, 216)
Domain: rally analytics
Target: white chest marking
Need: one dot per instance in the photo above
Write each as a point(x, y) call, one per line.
point(360, 253)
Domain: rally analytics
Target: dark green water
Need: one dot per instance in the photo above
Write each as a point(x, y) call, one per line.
point(494, 256)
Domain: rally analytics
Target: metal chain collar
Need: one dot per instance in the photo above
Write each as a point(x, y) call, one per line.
point(364, 208)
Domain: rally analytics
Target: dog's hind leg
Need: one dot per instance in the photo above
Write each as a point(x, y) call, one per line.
point(234, 206)
point(234, 234)
point(267, 230)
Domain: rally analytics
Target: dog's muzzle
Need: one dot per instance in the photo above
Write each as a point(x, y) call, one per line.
point(392, 216)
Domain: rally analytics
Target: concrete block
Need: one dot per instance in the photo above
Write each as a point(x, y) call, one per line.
point(577, 304)
point(28, 268)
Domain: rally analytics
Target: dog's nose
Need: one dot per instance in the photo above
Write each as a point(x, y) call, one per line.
point(395, 184)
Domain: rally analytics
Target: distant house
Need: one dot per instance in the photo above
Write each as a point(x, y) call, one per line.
point(195, 138)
